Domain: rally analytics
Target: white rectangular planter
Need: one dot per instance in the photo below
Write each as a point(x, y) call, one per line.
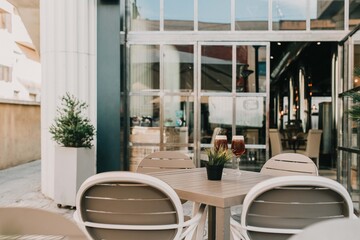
point(72, 167)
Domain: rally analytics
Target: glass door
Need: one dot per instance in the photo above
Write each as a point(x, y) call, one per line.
point(232, 94)
point(181, 95)
point(349, 128)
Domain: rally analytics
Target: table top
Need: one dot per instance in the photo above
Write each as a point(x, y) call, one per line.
point(193, 185)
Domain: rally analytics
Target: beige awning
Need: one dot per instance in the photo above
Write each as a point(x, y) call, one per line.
point(29, 11)
point(28, 51)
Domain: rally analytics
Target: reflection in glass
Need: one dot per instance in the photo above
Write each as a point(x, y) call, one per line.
point(145, 15)
point(178, 15)
point(144, 74)
point(243, 68)
point(327, 14)
point(356, 67)
point(179, 119)
point(250, 119)
point(289, 14)
point(216, 118)
point(178, 67)
point(354, 14)
point(251, 15)
point(250, 69)
point(216, 68)
point(144, 111)
point(214, 15)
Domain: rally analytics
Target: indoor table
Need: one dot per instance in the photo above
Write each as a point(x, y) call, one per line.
point(193, 185)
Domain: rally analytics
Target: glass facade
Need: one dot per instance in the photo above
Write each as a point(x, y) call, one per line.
point(251, 15)
point(289, 15)
point(245, 15)
point(175, 20)
point(349, 128)
point(214, 15)
point(327, 14)
point(197, 66)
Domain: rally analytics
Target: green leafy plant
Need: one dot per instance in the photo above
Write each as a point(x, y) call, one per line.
point(218, 157)
point(357, 71)
point(354, 110)
point(71, 128)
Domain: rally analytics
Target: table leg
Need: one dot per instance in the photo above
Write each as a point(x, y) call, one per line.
point(223, 223)
point(211, 222)
point(219, 223)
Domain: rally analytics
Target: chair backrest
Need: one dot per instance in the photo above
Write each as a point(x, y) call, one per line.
point(285, 164)
point(275, 141)
point(282, 206)
point(22, 222)
point(128, 205)
point(313, 143)
point(333, 229)
point(164, 161)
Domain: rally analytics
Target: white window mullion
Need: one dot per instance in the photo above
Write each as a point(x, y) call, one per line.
point(234, 88)
point(161, 15)
point(308, 15)
point(232, 15)
point(196, 16)
point(270, 15)
point(346, 15)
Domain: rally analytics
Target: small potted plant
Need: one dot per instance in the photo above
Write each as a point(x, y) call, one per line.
point(74, 156)
point(217, 159)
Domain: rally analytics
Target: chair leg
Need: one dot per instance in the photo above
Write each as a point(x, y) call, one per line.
point(317, 162)
point(199, 232)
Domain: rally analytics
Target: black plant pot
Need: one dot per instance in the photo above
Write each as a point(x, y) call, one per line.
point(214, 172)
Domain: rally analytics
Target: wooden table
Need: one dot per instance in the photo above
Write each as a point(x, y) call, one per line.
point(192, 184)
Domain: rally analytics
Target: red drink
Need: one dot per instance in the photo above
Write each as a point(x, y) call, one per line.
point(220, 142)
point(238, 145)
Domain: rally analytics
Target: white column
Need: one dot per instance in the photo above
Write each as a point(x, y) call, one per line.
point(68, 61)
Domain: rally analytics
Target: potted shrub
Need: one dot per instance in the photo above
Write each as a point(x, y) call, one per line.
point(217, 159)
point(74, 155)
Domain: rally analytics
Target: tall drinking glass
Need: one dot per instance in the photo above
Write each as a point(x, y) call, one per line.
point(220, 142)
point(238, 148)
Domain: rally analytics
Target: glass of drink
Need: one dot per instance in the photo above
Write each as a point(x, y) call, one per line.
point(237, 148)
point(220, 142)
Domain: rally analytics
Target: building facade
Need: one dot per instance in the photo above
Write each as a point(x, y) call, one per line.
point(20, 85)
point(164, 74)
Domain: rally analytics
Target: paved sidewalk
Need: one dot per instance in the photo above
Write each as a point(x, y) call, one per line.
point(21, 186)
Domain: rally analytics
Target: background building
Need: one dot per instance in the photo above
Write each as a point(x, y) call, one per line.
point(20, 85)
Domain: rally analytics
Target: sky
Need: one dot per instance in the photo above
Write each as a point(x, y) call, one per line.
point(219, 10)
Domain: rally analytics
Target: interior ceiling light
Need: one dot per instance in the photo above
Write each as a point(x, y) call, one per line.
point(279, 43)
point(318, 43)
point(271, 57)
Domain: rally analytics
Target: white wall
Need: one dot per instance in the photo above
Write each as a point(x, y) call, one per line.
point(68, 58)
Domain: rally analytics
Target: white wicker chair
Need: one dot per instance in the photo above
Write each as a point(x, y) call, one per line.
point(275, 142)
point(127, 205)
point(164, 161)
point(289, 164)
point(282, 206)
point(334, 229)
point(313, 145)
point(33, 223)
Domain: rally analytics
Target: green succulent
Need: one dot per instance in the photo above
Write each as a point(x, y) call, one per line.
point(218, 157)
point(71, 128)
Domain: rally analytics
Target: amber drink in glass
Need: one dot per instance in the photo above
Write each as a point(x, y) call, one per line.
point(220, 142)
point(237, 148)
